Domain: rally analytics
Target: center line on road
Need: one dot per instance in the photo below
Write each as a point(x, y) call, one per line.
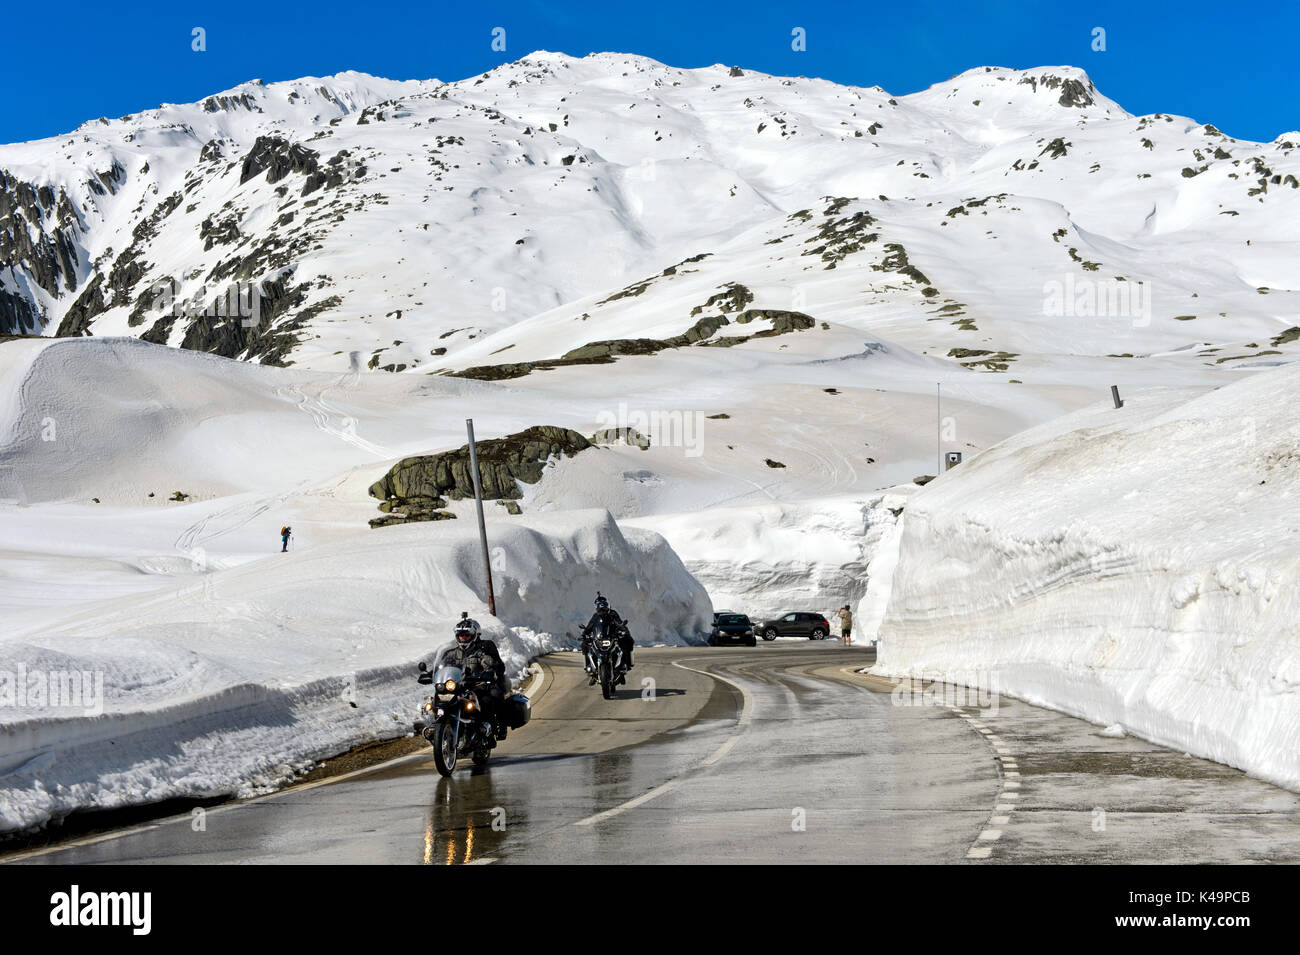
point(746, 713)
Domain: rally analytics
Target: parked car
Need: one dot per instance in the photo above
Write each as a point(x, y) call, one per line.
point(731, 627)
point(797, 623)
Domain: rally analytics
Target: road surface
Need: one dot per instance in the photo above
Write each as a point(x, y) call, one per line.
point(779, 753)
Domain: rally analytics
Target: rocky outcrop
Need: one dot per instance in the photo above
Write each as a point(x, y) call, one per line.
point(278, 158)
point(17, 315)
point(621, 436)
point(270, 338)
point(39, 230)
point(101, 292)
point(732, 298)
point(604, 352)
point(417, 484)
point(895, 260)
point(89, 304)
point(783, 322)
point(1074, 94)
point(839, 238)
point(218, 104)
point(410, 510)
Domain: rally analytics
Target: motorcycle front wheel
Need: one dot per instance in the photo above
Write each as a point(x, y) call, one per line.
point(607, 680)
point(444, 748)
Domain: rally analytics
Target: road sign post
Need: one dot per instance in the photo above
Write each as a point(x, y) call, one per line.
point(482, 526)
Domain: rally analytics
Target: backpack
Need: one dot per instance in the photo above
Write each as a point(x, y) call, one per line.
point(284, 532)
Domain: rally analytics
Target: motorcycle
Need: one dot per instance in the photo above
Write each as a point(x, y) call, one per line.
point(452, 718)
point(605, 657)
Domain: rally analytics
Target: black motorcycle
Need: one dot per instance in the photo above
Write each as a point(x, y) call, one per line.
point(605, 657)
point(452, 719)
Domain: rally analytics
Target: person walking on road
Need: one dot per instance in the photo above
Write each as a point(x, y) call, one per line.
point(846, 625)
point(285, 533)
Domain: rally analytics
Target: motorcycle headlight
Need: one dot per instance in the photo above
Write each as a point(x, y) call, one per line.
point(449, 686)
point(469, 705)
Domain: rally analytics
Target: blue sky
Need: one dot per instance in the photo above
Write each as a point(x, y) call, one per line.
point(1231, 66)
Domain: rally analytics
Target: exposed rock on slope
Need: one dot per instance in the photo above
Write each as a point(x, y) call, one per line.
point(49, 261)
point(414, 488)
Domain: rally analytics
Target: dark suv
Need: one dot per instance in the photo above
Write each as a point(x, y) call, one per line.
point(731, 627)
point(795, 624)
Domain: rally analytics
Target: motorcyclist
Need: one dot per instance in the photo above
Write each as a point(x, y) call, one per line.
point(607, 615)
point(481, 658)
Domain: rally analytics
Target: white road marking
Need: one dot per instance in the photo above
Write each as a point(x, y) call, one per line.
point(640, 800)
point(722, 750)
point(746, 713)
point(1004, 756)
point(535, 684)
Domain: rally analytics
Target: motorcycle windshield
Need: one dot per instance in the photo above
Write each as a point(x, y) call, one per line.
point(448, 664)
point(448, 672)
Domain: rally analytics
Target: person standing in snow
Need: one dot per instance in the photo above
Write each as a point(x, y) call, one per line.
point(285, 533)
point(846, 625)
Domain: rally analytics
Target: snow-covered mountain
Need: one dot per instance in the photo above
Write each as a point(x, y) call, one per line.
point(533, 210)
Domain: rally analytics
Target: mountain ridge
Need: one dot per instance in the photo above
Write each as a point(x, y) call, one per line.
point(373, 215)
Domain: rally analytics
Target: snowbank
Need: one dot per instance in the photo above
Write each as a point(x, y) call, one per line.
point(238, 679)
point(766, 559)
point(1131, 566)
point(117, 418)
point(884, 533)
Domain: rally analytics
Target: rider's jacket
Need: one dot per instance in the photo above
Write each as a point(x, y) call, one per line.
point(480, 658)
point(612, 617)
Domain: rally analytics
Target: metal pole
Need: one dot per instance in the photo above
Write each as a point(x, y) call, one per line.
point(938, 428)
point(482, 527)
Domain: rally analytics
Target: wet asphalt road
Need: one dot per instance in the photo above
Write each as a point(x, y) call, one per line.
point(780, 753)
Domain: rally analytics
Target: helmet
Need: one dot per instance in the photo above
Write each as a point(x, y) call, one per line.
point(601, 602)
point(467, 630)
